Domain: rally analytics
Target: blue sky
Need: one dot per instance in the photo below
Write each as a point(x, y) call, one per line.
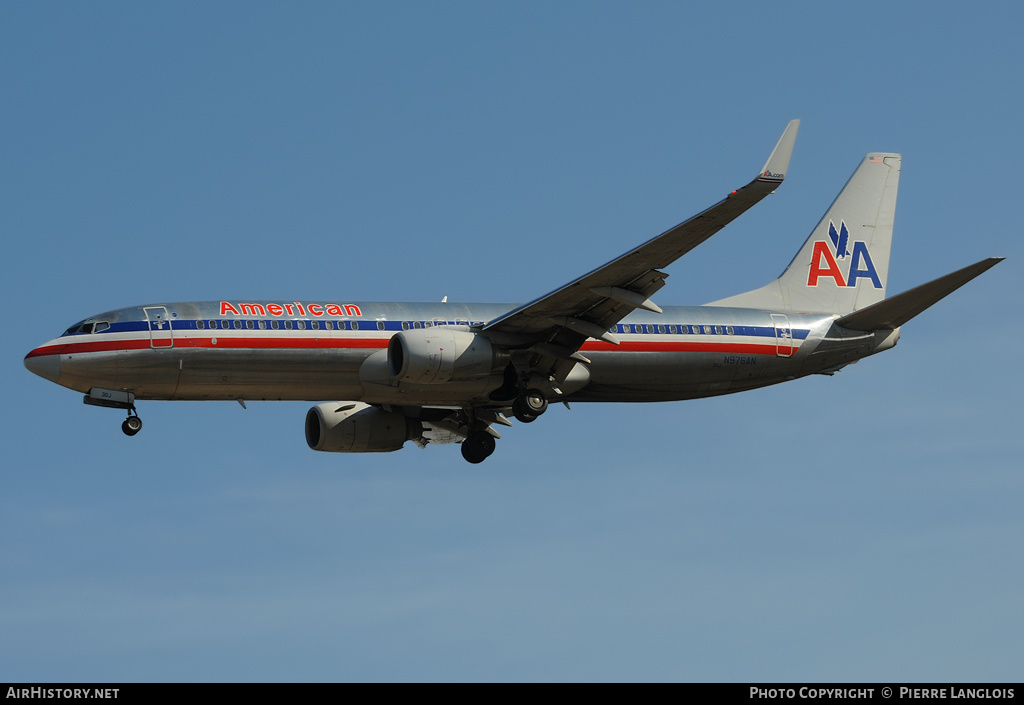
point(860, 527)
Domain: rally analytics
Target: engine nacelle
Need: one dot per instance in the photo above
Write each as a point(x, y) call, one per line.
point(441, 354)
point(355, 427)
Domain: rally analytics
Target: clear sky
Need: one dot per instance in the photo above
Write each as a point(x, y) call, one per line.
point(862, 527)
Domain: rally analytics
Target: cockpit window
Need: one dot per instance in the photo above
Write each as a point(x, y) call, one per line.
point(79, 328)
point(100, 326)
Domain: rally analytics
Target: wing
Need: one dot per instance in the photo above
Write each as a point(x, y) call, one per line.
point(556, 325)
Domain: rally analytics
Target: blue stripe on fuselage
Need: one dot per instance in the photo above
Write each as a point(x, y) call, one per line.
point(369, 326)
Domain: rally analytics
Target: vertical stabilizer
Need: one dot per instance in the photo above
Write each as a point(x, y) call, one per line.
point(844, 264)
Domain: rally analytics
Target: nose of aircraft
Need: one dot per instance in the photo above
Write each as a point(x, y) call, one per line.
point(46, 366)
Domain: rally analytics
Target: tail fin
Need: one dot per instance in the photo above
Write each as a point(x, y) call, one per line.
point(844, 264)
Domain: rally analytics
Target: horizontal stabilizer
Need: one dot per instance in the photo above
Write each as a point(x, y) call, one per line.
point(894, 312)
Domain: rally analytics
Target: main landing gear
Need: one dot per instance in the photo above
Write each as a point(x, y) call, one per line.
point(478, 446)
point(529, 405)
point(526, 407)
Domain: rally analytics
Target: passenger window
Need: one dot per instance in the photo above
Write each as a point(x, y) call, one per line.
point(417, 324)
point(328, 325)
point(728, 330)
point(238, 325)
point(405, 325)
point(262, 325)
point(315, 325)
point(288, 325)
point(380, 325)
point(301, 325)
point(200, 325)
point(707, 330)
point(250, 325)
point(661, 329)
point(274, 325)
point(718, 330)
point(355, 325)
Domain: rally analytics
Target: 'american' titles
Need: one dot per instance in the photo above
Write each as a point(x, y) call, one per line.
point(292, 309)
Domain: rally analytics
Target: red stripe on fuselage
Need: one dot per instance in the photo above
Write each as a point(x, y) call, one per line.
point(295, 343)
point(687, 346)
point(187, 343)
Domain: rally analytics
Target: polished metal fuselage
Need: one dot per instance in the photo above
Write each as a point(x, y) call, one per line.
point(209, 351)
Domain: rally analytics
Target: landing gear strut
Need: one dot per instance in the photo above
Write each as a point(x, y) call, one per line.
point(529, 405)
point(478, 446)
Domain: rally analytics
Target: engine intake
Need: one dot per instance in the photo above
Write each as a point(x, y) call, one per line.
point(355, 427)
point(441, 354)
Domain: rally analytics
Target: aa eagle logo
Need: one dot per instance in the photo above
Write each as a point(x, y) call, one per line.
point(825, 260)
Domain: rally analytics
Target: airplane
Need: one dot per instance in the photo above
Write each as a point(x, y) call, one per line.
point(435, 373)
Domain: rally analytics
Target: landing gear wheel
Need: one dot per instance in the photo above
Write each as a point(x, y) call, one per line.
point(478, 446)
point(535, 401)
point(522, 416)
point(131, 425)
point(529, 405)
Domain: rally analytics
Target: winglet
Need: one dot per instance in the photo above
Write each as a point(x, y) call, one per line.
point(774, 170)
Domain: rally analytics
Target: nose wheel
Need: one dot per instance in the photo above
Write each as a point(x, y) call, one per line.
point(131, 425)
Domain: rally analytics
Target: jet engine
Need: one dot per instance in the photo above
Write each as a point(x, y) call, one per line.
point(441, 354)
point(355, 427)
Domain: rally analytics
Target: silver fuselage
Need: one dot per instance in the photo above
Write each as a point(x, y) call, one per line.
point(328, 351)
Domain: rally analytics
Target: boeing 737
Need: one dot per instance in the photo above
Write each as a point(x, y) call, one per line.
point(449, 372)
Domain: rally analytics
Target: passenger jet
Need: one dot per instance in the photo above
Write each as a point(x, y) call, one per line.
point(449, 373)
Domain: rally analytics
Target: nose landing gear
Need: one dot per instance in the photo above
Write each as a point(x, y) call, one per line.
point(117, 399)
point(132, 424)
